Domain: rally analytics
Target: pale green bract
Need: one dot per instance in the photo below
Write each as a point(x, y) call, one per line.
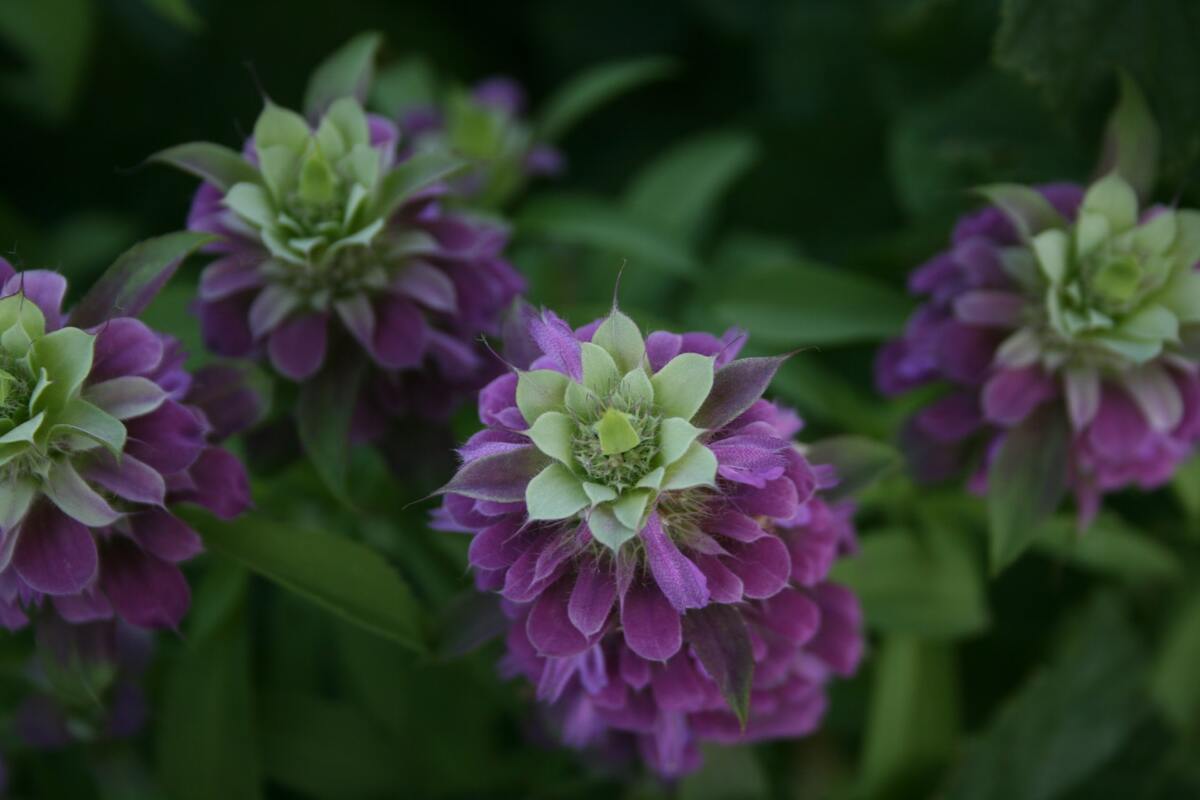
point(46, 418)
point(1114, 287)
point(621, 440)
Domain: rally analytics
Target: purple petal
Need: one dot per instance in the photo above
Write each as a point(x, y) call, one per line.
point(230, 275)
point(219, 483)
point(661, 347)
point(501, 477)
point(55, 555)
point(652, 627)
point(428, 285)
point(124, 346)
point(127, 478)
point(951, 418)
point(87, 606)
point(549, 626)
point(297, 346)
point(764, 566)
point(990, 308)
point(1119, 429)
point(1012, 395)
point(556, 340)
point(400, 334)
point(681, 581)
point(168, 439)
point(839, 640)
point(225, 325)
point(145, 591)
point(223, 393)
point(497, 546)
point(164, 535)
point(592, 598)
point(723, 585)
point(791, 614)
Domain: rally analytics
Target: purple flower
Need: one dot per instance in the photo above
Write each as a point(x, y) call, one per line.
point(622, 487)
point(328, 239)
point(102, 433)
point(1064, 302)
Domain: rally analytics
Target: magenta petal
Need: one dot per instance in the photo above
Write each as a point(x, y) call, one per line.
point(400, 334)
point(297, 346)
point(652, 627)
point(125, 346)
point(144, 590)
point(164, 535)
point(549, 626)
point(592, 598)
point(169, 439)
point(45, 288)
point(55, 554)
point(680, 580)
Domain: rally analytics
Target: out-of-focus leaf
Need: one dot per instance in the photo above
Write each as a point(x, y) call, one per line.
point(1026, 483)
point(728, 773)
point(857, 460)
point(827, 396)
point(588, 91)
point(403, 86)
point(1175, 678)
point(326, 749)
point(335, 572)
point(719, 637)
point(207, 743)
point(83, 244)
point(1066, 720)
point(1131, 141)
point(345, 73)
point(606, 228)
point(323, 415)
point(221, 166)
point(928, 585)
point(1186, 486)
point(913, 725)
point(178, 12)
point(679, 190)
point(53, 39)
point(1109, 546)
point(471, 621)
point(135, 278)
point(787, 301)
point(1070, 47)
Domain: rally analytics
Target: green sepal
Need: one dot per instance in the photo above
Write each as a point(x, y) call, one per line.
point(540, 391)
point(620, 336)
point(675, 436)
point(696, 467)
point(552, 433)
point(607, 529)
point(683, 384)
point(66, 355)
point(600, 371)
point(555, 493)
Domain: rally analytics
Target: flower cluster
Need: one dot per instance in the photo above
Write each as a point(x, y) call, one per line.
point(486, 126)
point(1067, 302)
point(326, 234)
point(103, 429)
point(644, 514)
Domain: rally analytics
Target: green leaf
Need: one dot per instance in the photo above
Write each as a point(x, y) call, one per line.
point(601, 226)
point(334, 572)
point(323, 414)
point(718, 636)
point(327, 749)
point(1070, 47)
point(913, 723)
point(402, 86)
point(679, 191)
point(857, 460)
point(135, 278)
point(220, 166)
point(1109, 546)
point(1173, 683)
point(783, 300)
point(586, 92)
point(51, 40)
point(1131, 140)
point(470, 621)
point(177, 12)
point(415, 173)
point(929, 585)
point(1065, 721)
point(345, 73)
point(1026, 483)
point(1027, 208)
point(207, 742)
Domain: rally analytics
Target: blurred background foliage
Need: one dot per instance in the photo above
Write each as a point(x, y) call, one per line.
point(791, 163)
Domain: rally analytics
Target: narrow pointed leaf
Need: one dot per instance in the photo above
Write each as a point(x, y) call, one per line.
point(592, 89)
point(735, 388)
point(346, 73)
point(214, 163)
point(719, 637)
point(501, 477)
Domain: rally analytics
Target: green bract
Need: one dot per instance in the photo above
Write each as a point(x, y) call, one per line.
point(621, 439)
point(45, 419)
point(1115, 287)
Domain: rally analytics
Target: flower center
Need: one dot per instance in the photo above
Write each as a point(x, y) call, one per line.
point(617, 448)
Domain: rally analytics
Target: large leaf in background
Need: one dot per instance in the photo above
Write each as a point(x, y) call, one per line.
point(1131, 141)
point(1109, 546)
point(589, 90)
point(990, 129)
point(326, 749)
point(135, 278)
point(728, 773)
point(607, 228)
point(336, 573)
point(1067, 719)
point(52, 39)
point(345, 73)
point(1174, 683)
point(1071, 47)
point(207, 743)
point(402, 86)
point(679, 190)
point(928, 585)
point(913, 723)
point(323, 415)
point(1026, 482)
point(784, 300)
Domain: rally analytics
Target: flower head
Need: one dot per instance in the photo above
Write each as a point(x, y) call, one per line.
point(1066, 299)
point(635, 500)
point(326, 235)
point(99, 436)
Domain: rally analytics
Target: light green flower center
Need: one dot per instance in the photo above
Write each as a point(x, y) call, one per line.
point(618, 449)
